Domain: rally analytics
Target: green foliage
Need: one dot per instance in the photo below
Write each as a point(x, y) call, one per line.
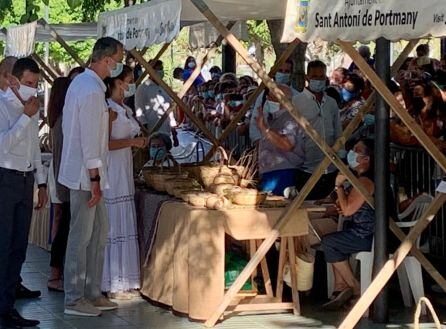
point(259, 31)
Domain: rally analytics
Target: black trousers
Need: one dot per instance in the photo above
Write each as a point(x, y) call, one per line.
point(16, 206)
point(59, 245)
point(323, 187)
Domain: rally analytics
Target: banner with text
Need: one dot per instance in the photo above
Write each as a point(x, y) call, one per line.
point(364, 20)
point(139, 26)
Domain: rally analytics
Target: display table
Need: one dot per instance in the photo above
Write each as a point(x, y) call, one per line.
point(186, 266)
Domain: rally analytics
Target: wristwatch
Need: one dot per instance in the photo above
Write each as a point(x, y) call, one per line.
point(96, 178)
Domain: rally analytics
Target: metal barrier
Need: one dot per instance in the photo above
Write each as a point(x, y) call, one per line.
point(415, 173)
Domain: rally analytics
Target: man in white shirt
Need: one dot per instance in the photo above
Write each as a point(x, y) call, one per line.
point(83, 170)
point(20, 167)
point(322, 113)
point(152, 101)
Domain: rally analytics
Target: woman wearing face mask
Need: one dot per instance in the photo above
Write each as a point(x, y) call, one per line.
point(160, 145)
point(357, 234)
point(351, 100)
point(189, 67)
point(280, 148)
point(121, 275)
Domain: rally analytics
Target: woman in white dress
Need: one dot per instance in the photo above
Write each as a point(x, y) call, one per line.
point(121, 275)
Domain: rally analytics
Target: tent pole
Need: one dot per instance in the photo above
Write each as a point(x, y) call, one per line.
point(51, 72)
point(228, 59)
point(61, 41)
point(382, 177)
point(157, 57)
point(233, 124)
point(154, 76)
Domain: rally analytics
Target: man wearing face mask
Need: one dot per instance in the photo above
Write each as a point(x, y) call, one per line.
point(152, 101)
point(7, 80)
point(322, 112)
point(280, 148)
point(282, 76)
point(83, 170)
point(20, 167)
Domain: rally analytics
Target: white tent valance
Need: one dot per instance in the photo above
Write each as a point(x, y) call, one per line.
point(204, 35)
point(364, 20)
point(69, 32)
point(20, 40)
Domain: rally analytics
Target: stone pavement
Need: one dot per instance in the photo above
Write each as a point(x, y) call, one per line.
point(140, 314)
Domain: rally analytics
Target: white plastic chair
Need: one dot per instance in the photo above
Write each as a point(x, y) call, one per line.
point(409, 272)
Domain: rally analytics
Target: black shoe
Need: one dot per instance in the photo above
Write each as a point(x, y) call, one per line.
point(14, 320)
point(21, 292)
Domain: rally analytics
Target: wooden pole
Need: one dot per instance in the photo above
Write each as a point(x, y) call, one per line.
point(392, 264)
point(233, 124)
point(403, 56)
point(154, 76)
point(61, 41)
point(189, 82)
point(157, 57)
point(49, 70)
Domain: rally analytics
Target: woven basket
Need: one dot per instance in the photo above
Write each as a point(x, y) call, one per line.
point(305, 272)
point(221, 189)
point(246, 197)
point(184, 193)
point(179, 183)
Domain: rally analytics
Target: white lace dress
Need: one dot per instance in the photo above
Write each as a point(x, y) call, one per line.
point(121, 264)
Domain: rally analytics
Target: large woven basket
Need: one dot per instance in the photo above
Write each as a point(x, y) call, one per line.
point(179, 183)
point(305, 272)
point(199, 199)
point(246, 197)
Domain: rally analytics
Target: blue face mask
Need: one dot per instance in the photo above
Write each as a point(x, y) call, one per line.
point(317, 86)
point(211, 94)
point(347, 95)
point(352, 159)
point(157, 152)
point(282, 78)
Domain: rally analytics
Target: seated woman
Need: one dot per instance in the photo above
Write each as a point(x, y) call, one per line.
point(160, 145)
point(357, 236)
point(281, 145)
point(351, 100)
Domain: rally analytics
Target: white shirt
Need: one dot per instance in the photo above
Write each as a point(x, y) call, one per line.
point(19, 138)
point(85, 130)
point(254, 132)
point(324, 118)
point(151, 102)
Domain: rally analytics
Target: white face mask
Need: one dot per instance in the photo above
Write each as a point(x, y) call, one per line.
point(191, 65)
point(27, 92)
point(272, 107)
point(130, 91)
point(117, 70)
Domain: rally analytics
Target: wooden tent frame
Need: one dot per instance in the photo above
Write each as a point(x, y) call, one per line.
point(331, 156)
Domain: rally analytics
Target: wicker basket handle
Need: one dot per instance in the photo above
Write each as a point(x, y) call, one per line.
point(223, 155)
point(416, 323)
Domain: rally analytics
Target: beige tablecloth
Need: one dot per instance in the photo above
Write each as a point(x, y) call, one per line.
point(186, 266)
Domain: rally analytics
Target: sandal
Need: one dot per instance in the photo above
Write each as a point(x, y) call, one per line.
point(340, 300)
point(57, 287)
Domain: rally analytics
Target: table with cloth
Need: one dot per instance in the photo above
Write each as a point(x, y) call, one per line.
point(186, 266)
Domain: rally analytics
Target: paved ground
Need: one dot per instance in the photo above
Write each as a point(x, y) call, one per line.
point(140, 314)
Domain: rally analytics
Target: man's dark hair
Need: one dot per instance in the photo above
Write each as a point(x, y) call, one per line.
point(105, 47)
point(357, 82)
point(24, 64)
point(317, 64)
point(156, 64)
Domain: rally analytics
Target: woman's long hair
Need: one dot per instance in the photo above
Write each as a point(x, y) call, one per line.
point(57, 99)
point(370, 152)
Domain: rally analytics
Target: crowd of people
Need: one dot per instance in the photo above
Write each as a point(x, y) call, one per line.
point(98, 114)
